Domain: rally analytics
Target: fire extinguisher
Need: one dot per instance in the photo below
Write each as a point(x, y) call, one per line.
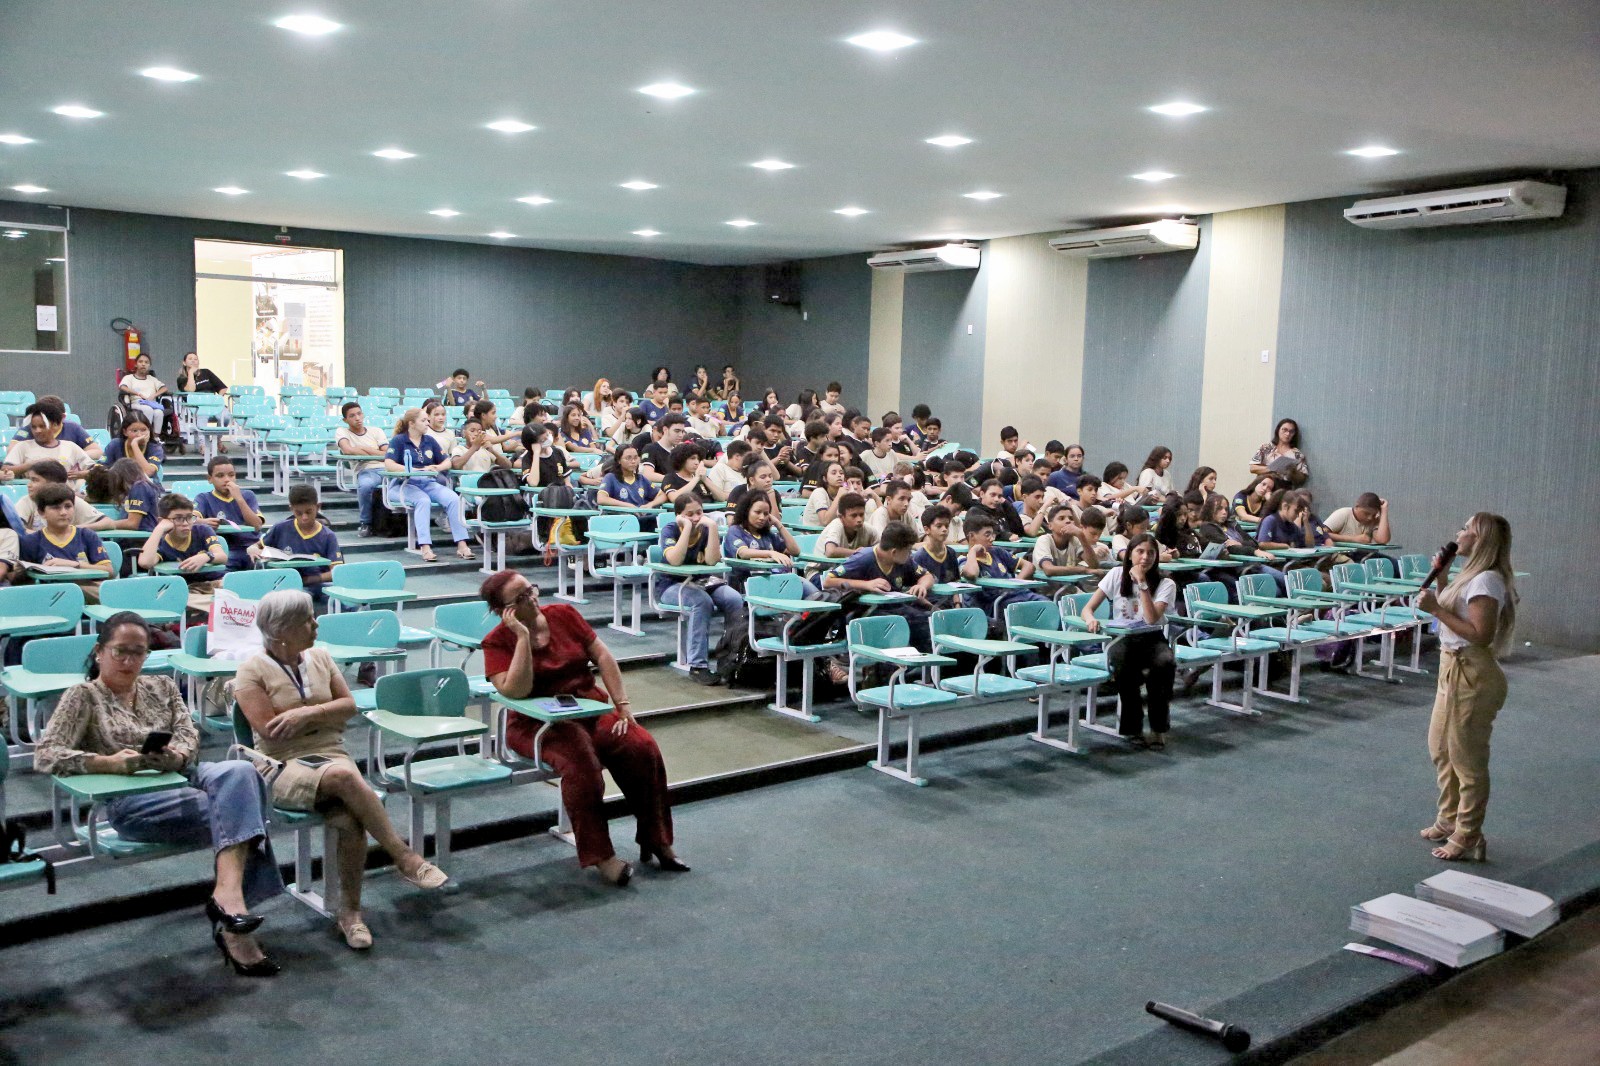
point(132, 342)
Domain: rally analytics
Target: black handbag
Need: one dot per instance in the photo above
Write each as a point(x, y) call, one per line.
point(13, 849)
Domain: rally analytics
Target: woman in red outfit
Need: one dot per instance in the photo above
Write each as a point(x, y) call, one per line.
point(552, 651)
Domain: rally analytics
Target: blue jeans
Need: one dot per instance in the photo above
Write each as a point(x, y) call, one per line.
point(421, 497)
point(697, 603)
point(368, 482)
point(227, 805)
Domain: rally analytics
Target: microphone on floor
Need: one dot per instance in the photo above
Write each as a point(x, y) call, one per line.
point(1231, 1036)
point(1447, 555)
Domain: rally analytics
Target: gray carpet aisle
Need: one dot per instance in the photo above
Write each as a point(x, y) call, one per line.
point(1022, 908)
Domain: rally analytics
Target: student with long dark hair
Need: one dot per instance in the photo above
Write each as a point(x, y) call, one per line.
point(1250, 503)
point(1141, 661)
point(1155, 477)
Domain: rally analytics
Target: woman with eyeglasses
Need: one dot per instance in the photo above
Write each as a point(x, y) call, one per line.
point(104, 725)
point(552, 651)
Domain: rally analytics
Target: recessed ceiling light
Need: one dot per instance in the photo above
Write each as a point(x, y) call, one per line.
point(444, 212)
point(535, 201)
point(394, 153)
point(647, 233)
point(14, 138)
point(168, 74)
point(667, 90)
point(509, 125)
point(639, 186)
point(983, 194)
point(304, 175)
point(31, 190)
point(310, 25)
point(230, 190)
point(56, 259)
point(77, 111)
point(881, 41)
point(1178, 109)
point(502, 235)
point(950, 140)
point(1373, 151)
point(741, 223)
point(852, 212)
point(1153, 176)
point(15, 234)
point(773, 164)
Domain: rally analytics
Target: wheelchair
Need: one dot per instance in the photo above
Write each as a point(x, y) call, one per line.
point(171, 437)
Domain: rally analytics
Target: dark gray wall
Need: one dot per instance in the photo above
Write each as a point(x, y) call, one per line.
point(1456, 370)
point(413, 308)
point(941, 364)
point(781, 349)
point(1143, 354)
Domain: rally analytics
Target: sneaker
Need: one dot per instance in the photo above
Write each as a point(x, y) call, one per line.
point(363, 531)
point(702, 675)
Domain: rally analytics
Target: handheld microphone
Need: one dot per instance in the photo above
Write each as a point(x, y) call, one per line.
point(1232, 1037)
point(1447, 555)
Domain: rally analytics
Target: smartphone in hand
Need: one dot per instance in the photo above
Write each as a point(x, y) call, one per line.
point(155, 742)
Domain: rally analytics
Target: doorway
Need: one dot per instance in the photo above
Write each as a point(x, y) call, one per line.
point(270, 315)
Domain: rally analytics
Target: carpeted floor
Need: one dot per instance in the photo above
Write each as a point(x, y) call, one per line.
point(1021, 908)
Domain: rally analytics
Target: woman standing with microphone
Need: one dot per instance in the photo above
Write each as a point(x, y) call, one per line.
point(1476, 611)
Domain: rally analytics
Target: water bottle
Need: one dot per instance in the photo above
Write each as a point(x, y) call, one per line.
point(408, 462)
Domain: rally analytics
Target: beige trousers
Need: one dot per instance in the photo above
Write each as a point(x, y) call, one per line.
point(1472, 689)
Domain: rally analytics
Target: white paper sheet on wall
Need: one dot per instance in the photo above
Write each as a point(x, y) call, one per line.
point(45, 318)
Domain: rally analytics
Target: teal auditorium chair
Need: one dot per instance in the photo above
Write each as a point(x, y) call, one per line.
point(885, 640)
point(1209, 611)
point(355, 637)
point(255, 584)
point(965, 630)
point(1038, 623)
point(50, 666)
point(773, 596)
point(39, 611)
point(617, 537)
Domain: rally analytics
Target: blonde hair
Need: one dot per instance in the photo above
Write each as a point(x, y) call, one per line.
point(403, 426)
point(1491, 551)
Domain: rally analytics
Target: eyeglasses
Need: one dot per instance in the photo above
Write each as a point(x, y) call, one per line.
point(181, 519)
point(529, 593)
point(128, 653)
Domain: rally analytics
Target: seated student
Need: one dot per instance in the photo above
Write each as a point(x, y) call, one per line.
point(814, 458)
point(1218, 526)
point(1087, 498)
point(759, 478)
point(1319, 532)
point(413, 449)
point(932, 435)
point(543, 460)
point(756, 531)
point(655, 447)
point(823, 503)
point(1251, 503)
point(688, 472)
point(143, 390)
point(654, 402)
point(1367, 522)
point(457, 394)
point(691, 538)
point(1175, 528)
point(805, 408)
point(11, 530)
point(225, 503)
point(1114, 487)
point(897, 507)
point(855, 480)
point(1284, 526)
point(915, 431)
point(355, 437)
point(983, 559)
point(1133, 521)
point(60, 539)
point(934, 554)
point(885, 567)
point(49, 472)
point(992, 503)
point(577, 435)
point(305, 534)
point(615, 413)
point(1068, 548)
point(1203, 481)
point(1010, 444)
point(488, 416)
point(1155, 476)
point(43, 444)
point(857, 434)
point(438, 427)
point(141, 498)
point(626, 485)
point(1030, 507)
point(730, 412)
point(54, 408)
point(879, 459)
point(629, 427)
point(832, 404)
point(958, 500)
point(847, 533)
point(136, 443)
point(519, 412)
point(474, 452)
point(1142, 662)
point(725, 475)
point(701, 424)
point(899, 442)
point(178, 538)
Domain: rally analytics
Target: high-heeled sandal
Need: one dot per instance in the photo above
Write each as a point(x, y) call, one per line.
point(1437, 832)
point(238, 924)
point(624, 875)
point(265, 967)
point(671, 866)
point(1450, 851)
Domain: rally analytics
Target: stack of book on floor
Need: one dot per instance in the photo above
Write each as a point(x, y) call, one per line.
point(1449, 936)
point(1520, 910)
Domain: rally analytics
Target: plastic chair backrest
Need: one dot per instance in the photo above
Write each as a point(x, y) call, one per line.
point(254, 584)
point(360, 629)
point(242, 732)
point(1256, 585)
point(1415, 567)
point(191, 489)
point(1204, 592)
point(467, 619)
point(290, 392)
point(65, 600)
point(1348, 574)
point(57, 655)
point(807, 542)
point(1072, 605)
point(101, 437)
point(388, 576)
point(436, 693)
point(653, 555)
point(776, 587)
point(248, 390)
point(194, 641)
point(383, 390)
point(146, 593)
point(968, 622)
point(1034, 614)
point(15, 491)
point(113, 555)
point(1379, 567)
point(614, 523)
point(879, 631)
point(1305, 579)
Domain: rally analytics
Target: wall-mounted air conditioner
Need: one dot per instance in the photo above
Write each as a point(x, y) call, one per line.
point(918, 260)
point(1167, 235)
point(1509, 201)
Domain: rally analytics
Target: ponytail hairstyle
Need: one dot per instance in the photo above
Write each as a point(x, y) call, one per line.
point(108, 630)
point(1130, 515)
point(1491, 551)
point(1152, 580)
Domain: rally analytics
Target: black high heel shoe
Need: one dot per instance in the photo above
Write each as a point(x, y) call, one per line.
point(238, 924)
point(671, 866)
point(264, 968)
